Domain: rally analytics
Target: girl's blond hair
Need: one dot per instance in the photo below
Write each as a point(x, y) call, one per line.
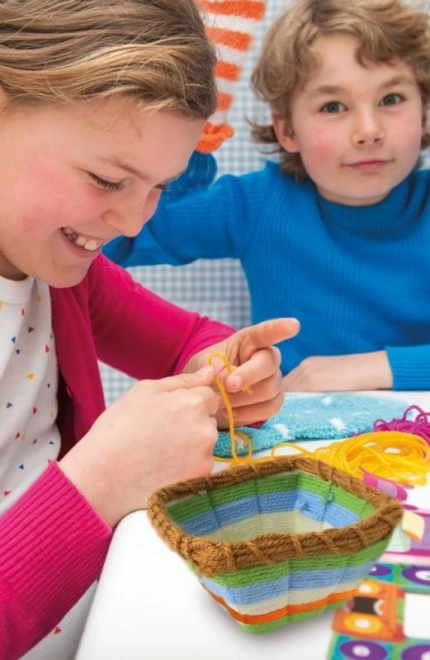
point(154, 51)
point(386, 30)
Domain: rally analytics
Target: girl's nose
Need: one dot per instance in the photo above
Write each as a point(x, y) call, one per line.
point(367, 130)
point(128, 218)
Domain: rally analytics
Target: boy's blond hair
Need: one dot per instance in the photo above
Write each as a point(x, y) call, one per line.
point(63, 51)
point(385, 29)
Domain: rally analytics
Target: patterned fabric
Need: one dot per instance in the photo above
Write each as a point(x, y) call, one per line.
point(230, 24)
point(29, 437)
point(330, 416)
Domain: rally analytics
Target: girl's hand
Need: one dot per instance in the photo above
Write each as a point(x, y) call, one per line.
point(157, 433)
point(164, 431)
point(255, 367)
point(361, 371)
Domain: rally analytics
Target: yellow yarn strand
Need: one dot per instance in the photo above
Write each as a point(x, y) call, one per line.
point(224, 396)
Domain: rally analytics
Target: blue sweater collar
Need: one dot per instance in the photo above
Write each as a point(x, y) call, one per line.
point(398, 210)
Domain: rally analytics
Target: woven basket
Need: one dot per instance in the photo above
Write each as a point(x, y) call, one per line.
point(278, 541)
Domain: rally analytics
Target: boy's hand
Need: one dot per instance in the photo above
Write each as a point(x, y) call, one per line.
point(255, 367)
point(361, 371)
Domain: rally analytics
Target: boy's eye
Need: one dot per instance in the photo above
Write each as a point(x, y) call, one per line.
point(103, 183)
point(333, 107)
point(391, 99)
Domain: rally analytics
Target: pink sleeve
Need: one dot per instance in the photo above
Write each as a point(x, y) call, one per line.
point(53, 546)
point(140, 333)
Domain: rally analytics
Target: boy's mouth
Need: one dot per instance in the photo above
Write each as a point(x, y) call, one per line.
point(90, 244)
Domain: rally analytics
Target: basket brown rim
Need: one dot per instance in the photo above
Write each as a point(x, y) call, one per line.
point(210, 557)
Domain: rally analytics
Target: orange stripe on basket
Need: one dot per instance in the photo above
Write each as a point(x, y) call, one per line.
point(284, 611)
point(243, 8)
point(231, 38)
point(227, 71)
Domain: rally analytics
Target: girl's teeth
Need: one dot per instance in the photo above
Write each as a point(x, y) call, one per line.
point(90, 244)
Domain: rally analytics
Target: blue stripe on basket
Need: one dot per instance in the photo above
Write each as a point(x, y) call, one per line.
point(297, 580)
point(308, 503)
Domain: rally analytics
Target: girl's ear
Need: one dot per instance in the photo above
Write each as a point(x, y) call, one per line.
point(284, 133)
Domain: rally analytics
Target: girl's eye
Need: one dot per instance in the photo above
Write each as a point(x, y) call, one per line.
point(391, 99)
point(333, 107)
point(103, 183)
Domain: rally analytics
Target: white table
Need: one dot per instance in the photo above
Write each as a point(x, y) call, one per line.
point(149, 606)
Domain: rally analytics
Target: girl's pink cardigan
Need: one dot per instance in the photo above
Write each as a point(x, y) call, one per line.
point(53, 544)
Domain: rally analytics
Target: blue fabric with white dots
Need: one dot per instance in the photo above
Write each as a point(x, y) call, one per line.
point(329, 416)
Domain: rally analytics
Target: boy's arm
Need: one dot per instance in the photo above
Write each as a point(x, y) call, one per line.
point(208, 224)
point(360, 371)
point(398, 368)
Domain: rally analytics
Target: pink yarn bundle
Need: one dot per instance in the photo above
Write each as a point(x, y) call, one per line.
point(418, 426)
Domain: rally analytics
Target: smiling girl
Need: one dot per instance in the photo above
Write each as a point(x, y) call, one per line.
point(101, 104)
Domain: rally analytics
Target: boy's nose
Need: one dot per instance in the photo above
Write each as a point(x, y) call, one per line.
point(367, 130)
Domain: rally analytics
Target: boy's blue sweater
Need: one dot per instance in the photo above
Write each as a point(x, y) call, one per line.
point(357, 278)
